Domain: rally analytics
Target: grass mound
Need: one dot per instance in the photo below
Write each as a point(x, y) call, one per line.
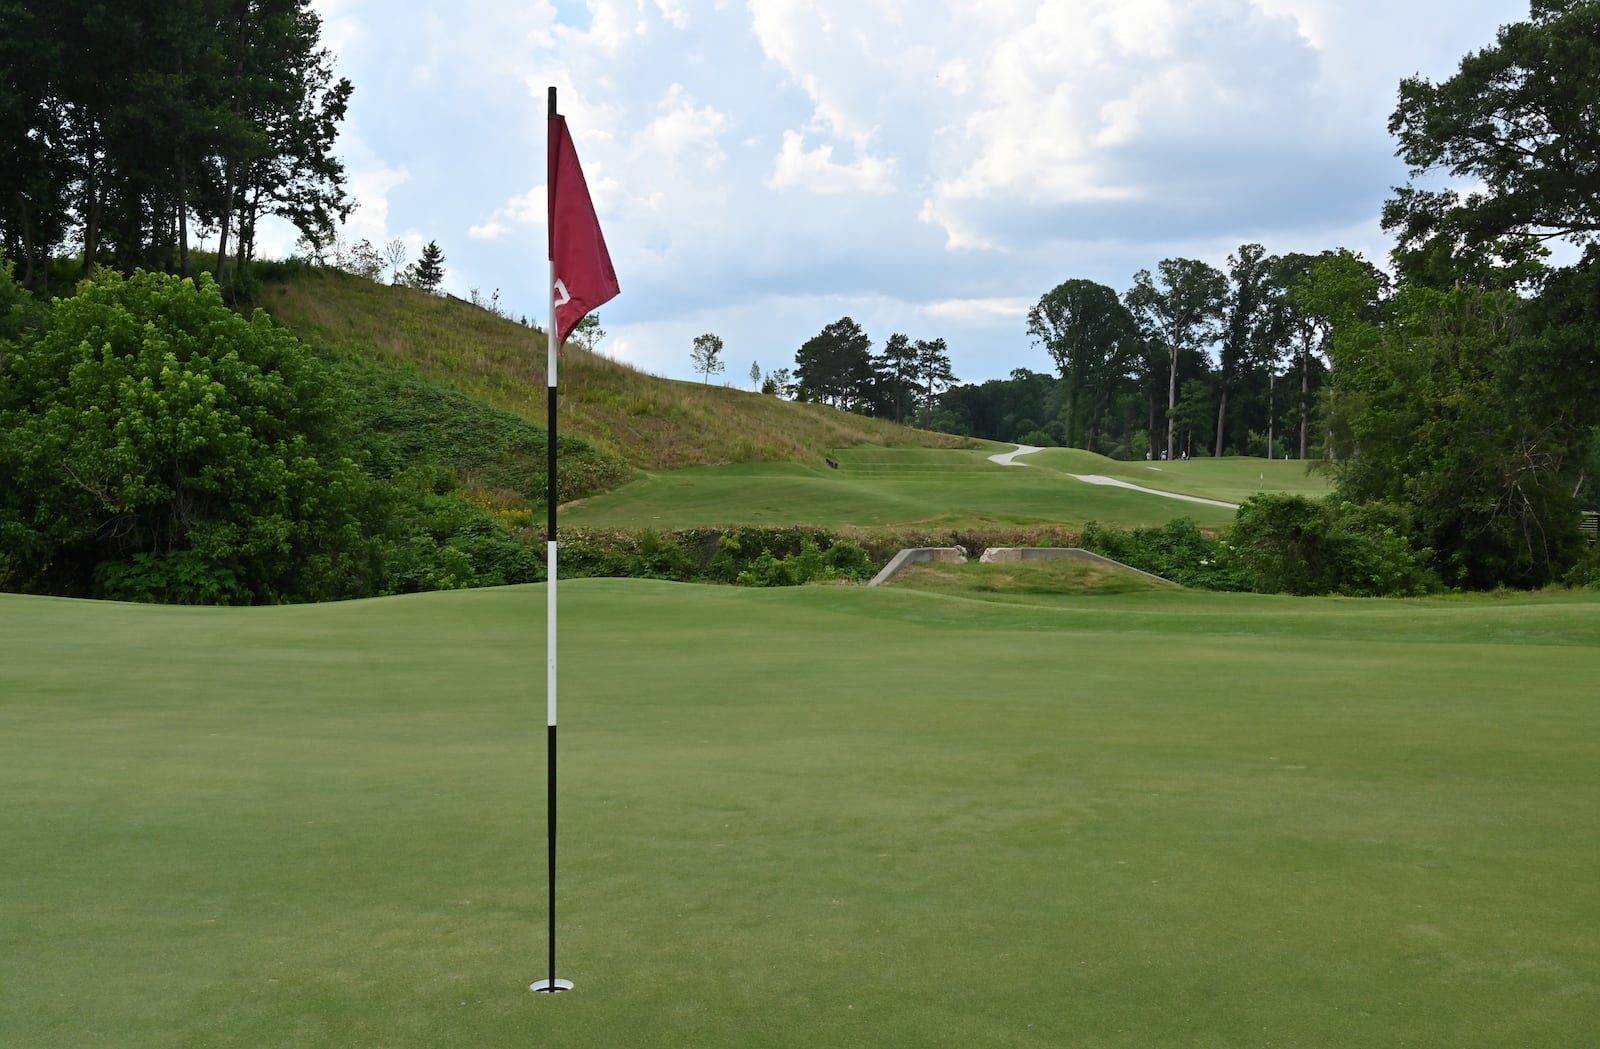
point(651, 422)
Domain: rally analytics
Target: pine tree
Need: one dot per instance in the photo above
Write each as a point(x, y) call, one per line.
point(430, 267)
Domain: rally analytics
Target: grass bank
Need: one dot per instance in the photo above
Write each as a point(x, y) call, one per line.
point(652, 422)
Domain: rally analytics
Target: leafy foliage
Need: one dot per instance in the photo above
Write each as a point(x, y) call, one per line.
point(1180, 311)
point(1517, 117)
point(1452, 410)
point(126, 122)
point(1288, 544)
point(1178, 551)
point(745, 556)
point(157, 444)
point(707, 355)
point(1093, 339)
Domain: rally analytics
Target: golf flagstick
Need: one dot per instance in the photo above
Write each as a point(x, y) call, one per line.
point(581, 280)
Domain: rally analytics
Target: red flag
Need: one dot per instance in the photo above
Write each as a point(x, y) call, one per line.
point(584, 279)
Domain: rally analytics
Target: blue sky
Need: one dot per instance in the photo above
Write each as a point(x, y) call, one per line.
point(764, 167)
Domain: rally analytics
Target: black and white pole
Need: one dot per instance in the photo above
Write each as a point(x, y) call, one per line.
point(551, 985)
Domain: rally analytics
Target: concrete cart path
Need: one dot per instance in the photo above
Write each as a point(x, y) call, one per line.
point(1007, 459)
point(1004, 458)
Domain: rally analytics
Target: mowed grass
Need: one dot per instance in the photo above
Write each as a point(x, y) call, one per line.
point(1232, 479)
point(876, 487)
point(824, 816)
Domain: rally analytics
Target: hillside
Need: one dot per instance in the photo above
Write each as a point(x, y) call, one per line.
point(653, 423)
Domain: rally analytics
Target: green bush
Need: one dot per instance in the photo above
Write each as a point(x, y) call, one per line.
point(1586, 573)
point(179, 577)
point(1178, 551)
point(1289, 544)
point(745, 556)
point(156, 443)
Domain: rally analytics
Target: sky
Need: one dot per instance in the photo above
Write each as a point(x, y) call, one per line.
point(762, 168)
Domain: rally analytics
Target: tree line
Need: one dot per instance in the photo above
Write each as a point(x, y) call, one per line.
point(128, 129)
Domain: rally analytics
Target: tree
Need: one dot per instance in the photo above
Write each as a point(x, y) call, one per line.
point(159, 446)
point(277, 124)
point(707, 349)
point(1446, 410)
point(363, 260)
point(778, 383)
point(1347, 295)
point(835, 365)
point(1092, 338)
point(1251, 328)
point(755, 374)
point(119, 123)
point(934, 373)
point(896, 372)
point(1182, 314)
point(1520, 119)
point(430, 267)
point(394, 253)
point(1191, 417)
point(588, 332)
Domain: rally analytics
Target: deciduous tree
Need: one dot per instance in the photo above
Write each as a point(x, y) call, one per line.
point(1521, 119)
point(1182, 313)
point(706, 356)
point(1093, 339)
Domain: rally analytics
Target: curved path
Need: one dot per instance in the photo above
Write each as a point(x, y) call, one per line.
point(1009, 459)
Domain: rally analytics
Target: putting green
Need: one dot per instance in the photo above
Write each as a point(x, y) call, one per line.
point(825, 816)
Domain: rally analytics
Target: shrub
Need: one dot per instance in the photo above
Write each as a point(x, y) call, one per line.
point(155, 443)
point(1178, 551)
point(1289, 544)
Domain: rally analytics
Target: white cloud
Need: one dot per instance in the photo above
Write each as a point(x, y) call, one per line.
point(491, 230)
point(816, 171)
point(371, 189)
point(928, 166)
point(978, 309)
point(683, 130)
point(674, 12)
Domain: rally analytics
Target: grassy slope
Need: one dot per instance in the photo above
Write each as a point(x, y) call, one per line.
point(945, 819)
point(654, 423)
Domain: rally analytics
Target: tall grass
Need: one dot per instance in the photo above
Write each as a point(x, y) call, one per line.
point(654, 423)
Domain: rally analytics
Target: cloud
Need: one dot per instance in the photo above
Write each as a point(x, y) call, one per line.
point(978, 309)
point(928, 166)
point(815, 170)
point(683, 133)
point(372, 188)
point(491, 230)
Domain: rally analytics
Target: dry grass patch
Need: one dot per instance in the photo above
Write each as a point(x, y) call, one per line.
point(1063, 576)
point(652, 422)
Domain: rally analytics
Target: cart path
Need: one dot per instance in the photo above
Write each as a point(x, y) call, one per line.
point(1009, 459)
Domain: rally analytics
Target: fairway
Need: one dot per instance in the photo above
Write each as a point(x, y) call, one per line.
point(875, 487)
point(1232, 478)
point(821, 816)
